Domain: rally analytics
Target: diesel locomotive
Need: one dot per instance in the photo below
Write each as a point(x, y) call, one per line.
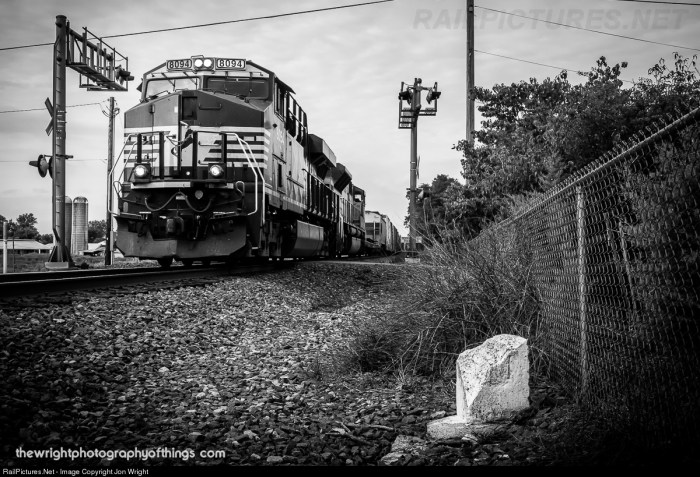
point(219, 165)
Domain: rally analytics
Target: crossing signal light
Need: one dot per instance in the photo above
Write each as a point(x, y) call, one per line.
point(433, 94)
point(123, 75)
point(43, 165)
point(406, 96)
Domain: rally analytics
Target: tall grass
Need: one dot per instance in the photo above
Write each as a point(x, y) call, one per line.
point(461, 294)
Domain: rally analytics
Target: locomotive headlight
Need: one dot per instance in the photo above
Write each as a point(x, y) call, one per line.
point(141, 171)
point(216, 171)
point(201, 63)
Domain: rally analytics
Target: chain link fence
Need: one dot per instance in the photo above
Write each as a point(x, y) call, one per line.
point(615, 259)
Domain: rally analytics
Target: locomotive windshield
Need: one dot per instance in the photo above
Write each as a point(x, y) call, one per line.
point(155, 87)
point(250, 87)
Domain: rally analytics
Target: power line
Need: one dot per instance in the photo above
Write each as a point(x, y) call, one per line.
point(588, 29)
point(265, 17)
point(69, 160)
point(664, 3)
point(539, 64)
point(44, 109)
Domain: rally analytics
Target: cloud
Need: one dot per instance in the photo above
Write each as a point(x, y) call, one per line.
point(345, 65)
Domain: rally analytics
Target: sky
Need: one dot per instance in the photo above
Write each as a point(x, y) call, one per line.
point(345, 65)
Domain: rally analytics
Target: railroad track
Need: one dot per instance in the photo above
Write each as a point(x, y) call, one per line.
point(17, 285)
point(44, 283)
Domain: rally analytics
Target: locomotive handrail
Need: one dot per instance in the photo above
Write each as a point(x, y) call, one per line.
point(114, 186)
point(116, 163)
point(126, 157)
point(256, 171)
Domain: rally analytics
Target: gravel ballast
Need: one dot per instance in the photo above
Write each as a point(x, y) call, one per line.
point(245, 371)
point(241, 366)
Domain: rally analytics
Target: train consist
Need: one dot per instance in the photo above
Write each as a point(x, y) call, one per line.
point(381, 237)
point(220, 165)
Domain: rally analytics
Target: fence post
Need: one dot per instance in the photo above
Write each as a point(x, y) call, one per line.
point(581, 235)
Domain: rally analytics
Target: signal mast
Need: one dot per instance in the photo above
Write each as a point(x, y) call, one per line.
point(101, 68)
point(408, 119)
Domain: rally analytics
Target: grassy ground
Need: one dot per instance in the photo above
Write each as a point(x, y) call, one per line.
point(34, 262)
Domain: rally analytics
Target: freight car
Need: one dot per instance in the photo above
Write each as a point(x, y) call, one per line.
point(381, 235)
point(219, 165)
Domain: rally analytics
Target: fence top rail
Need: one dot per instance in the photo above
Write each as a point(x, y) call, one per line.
point(603, 163)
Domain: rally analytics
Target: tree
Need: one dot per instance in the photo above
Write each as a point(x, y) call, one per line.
point(26, 227)
point(10, 225)
point(97, 230)
point(45, 238)
point(431, 211)
point(536, 134)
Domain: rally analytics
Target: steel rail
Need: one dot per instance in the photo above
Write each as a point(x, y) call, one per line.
point(39, 283)
point(28, 284)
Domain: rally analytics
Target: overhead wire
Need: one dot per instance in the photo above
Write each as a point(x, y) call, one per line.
point(240, 20)
point(44, 109)
point(71, 160)
point(540, 64)
point(586, 29)
point(663, 3)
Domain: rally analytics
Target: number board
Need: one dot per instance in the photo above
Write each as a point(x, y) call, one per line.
point(185, 64)
point(230, 64)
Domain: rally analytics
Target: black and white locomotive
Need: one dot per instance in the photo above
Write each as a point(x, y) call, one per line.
point(219, 165)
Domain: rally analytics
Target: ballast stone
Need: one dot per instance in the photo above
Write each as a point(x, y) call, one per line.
point(492, 384)
point(402, 448)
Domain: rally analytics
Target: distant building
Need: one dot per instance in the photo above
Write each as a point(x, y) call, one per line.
point(23, 246)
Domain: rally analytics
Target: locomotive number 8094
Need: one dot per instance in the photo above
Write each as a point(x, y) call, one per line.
point(220, 165)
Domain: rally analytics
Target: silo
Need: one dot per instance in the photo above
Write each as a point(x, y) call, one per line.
point(68, 226)
point(80, 224)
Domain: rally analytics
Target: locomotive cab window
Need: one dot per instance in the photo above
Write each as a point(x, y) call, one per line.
point(279, 100)
point(158, 86)
point(239, 86)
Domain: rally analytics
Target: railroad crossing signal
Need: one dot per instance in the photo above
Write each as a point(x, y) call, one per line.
point(49, 128)
point(101, 68)
point(43, 165)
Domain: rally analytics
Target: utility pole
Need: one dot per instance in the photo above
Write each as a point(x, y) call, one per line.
point(109, 254)
point(408, 119)
point(470, 71)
